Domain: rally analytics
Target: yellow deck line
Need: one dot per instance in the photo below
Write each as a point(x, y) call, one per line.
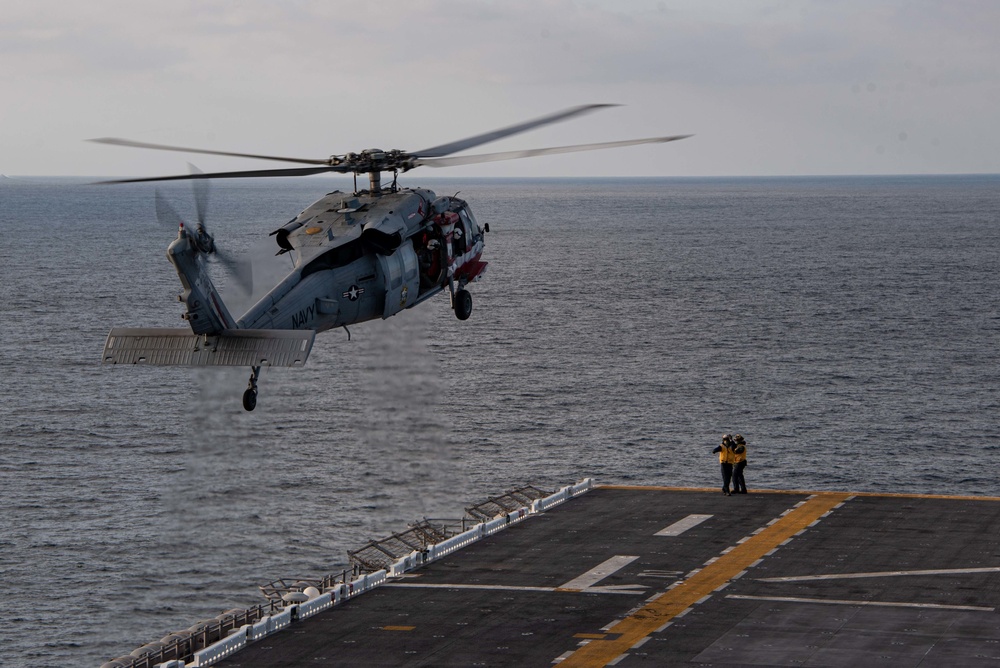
point(654, 488)
point(656, 613)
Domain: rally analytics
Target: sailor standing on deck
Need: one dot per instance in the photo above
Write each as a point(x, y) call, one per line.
point(739, 463)
point(726, 459)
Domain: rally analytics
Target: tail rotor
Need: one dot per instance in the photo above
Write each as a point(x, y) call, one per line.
point(239, 269)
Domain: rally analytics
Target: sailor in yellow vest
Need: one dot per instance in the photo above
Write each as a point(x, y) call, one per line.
point(726, 458)
point(739, 463)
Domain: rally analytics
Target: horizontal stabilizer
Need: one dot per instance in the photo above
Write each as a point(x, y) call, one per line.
point(234, 347)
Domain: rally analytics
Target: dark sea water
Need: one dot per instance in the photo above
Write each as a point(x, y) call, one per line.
point(848, 327)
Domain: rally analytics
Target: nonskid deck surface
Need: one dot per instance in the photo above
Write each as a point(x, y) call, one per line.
point(648, 576)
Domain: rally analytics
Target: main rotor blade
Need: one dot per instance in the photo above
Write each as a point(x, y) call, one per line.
point(295, 171)
point(163, 147)
point(165, 214)
point(528, 153)
point(200, 187)
point(462, 144)
point(239, 268)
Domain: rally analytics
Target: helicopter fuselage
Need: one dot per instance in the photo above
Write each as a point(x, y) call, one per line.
point(356, 257)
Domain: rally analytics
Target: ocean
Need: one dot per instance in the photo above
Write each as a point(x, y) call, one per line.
point(848, 327)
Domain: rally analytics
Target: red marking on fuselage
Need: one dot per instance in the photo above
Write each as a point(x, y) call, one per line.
point(471, 268)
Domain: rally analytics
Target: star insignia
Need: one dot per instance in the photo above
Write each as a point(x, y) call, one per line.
point(354, 293)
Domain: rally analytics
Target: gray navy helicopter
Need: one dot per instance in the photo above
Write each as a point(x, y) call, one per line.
point(356, 257)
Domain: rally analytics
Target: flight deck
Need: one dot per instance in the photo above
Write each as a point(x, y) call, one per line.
point(632, 576)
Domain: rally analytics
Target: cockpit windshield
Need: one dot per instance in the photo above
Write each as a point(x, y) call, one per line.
point(470, 222)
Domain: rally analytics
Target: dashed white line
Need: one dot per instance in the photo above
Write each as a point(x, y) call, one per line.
point(599, 572)
point(679, 527)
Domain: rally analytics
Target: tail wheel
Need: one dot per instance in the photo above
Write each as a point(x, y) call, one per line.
point(463, 304)
point(250, 400)
point(250, 396)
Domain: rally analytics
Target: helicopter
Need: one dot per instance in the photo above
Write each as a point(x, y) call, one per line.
point(356, 256)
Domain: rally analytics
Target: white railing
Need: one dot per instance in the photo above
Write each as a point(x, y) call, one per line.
point(410, 562)
point(456, 542)
point(221, 649)
point(315, 606)
point(262, 628)
point(564, 494)
point(364, 583)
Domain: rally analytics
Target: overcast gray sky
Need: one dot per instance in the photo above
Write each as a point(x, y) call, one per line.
point(768, 88)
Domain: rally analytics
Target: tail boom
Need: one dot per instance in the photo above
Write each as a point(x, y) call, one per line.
point(206, 311)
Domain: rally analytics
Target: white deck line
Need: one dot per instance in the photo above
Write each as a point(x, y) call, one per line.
point(880, 574)
point(878, 604)
point(599, 572)
point(680, 526)
point(438, 585)
point(624, 589)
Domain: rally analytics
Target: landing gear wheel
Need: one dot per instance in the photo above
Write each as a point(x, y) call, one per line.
point(250, 400)
point(250, 396)
point(463, 304)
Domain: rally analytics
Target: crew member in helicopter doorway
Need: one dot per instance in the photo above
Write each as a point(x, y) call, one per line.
point(726, 459)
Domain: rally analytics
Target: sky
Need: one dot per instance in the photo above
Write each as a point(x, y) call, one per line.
point(767, 87)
